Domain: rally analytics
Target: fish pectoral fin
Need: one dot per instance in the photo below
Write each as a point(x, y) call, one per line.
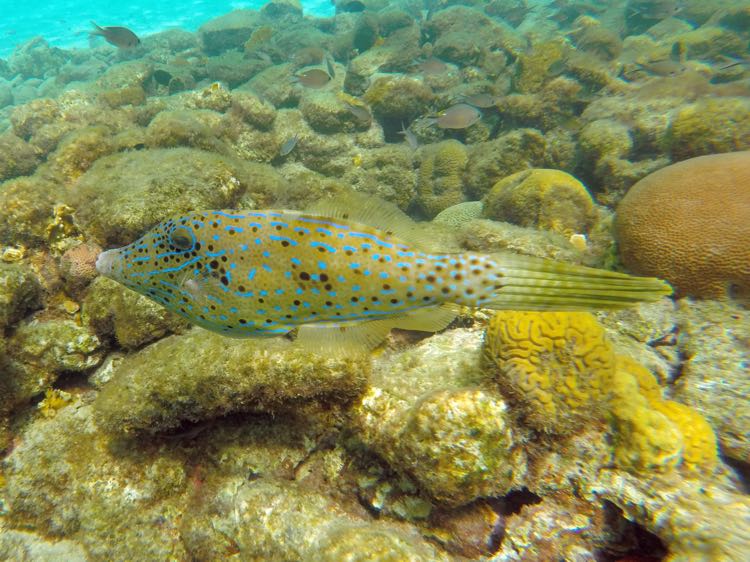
point(355, 338)
point(375, 212)
point(428, 319)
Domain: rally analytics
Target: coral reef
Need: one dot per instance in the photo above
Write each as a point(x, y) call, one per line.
point(710, 126)
point(543, 199)
point(243, 375)
point(150, 184)
point(440, 180)
point(20, 293)
point(696, 520)
point(112, 310)
point(713, 340)
point(451, 437)
point(554, 367)
point(701, 253)
point(493, 160)
point(41, 350)
point(126, 434)
point(459, 214)
point(398, 98)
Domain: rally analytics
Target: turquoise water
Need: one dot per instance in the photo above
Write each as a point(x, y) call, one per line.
point(66, 23)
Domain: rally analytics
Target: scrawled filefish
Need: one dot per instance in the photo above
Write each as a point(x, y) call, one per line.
point(345, 283)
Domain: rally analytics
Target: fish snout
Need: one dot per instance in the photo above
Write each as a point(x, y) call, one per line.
point(105, 263)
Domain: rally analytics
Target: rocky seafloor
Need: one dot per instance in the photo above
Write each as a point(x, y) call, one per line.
point(127, 434)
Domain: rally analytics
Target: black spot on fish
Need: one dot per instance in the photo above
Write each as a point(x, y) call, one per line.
point(304, 276)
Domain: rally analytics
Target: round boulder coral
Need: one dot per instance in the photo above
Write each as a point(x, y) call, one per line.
point(689, 223)
point(541, 198)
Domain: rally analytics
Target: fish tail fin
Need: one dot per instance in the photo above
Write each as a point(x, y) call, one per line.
point(527, 283)
point(98, 30)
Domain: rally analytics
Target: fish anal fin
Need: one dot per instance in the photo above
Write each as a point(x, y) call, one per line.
point(344, 339)
point(372, 211)
point(356, 338)
point(428, 319)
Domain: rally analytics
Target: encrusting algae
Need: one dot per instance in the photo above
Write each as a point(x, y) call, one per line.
point(263, 273)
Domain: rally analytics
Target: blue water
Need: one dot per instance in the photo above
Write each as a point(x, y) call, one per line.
point(64, 23)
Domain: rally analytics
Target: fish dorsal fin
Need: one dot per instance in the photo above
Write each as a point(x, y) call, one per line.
point(356, 338)
point(428, 319)
point(372, 211)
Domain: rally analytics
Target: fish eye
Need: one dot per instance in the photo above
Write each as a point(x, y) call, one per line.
point(181, 238)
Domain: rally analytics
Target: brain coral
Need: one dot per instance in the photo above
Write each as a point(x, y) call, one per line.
point(689, 223)
point(652, 433)
point(542, 198)
point(553, 366)
point(440, 183)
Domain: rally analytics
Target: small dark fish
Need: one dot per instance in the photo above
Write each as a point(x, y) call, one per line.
point(329, 65)
point(666, 67)
point(483, 101)
point(120, 37)
point(557, 68)
point(459, 116)
point(409, 137)
point(288, 145)
point(654, 9)
point(313, 78)
point(432, 66)
point(359, 112)
point(733, 62)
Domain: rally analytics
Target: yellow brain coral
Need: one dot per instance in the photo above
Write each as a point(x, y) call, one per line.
point(558, 371)
point(542, 198)
point(652, 433)
point(689, 223)
point(554, 366)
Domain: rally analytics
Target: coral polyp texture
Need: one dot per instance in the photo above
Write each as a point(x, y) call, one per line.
point(554, 366)
point(689, 223)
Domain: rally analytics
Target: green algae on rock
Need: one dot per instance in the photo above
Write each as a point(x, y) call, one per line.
point(20, 292)
point(112, 310)
point(123, 194)
point(428, 418)
point(440, 181)
point(298, 524)
point(545, 199)
point(41, 350)
point(166, 383)
point(714, 340)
